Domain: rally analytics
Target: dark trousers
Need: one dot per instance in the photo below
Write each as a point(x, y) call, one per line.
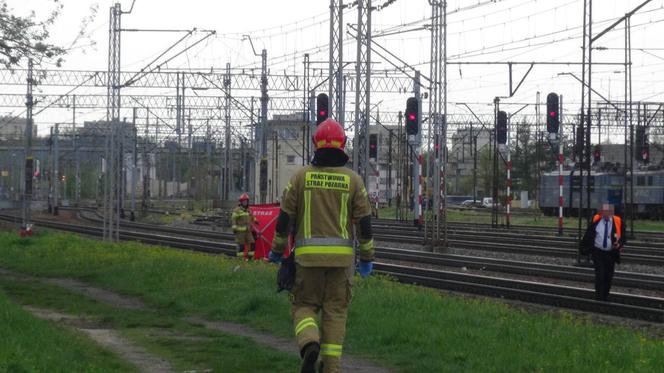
point(605, 263)
point(250, 250)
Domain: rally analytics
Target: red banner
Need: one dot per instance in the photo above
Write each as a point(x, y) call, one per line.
point(264, 229)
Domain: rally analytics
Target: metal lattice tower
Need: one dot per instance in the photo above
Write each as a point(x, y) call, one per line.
point(362, 90)
point(113, 177)
point(179, 106)
point(179, 129)
point(263, 128)
point(335, 93)
point(306, 117)
point(227, 141)
point(437, 118)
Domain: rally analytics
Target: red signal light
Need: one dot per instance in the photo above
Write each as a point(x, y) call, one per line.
point(552, 114)
point(322, 113)
point(411, 117)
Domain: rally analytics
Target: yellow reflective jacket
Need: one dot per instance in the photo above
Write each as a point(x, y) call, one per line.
point(324, 203)
point(242, 219)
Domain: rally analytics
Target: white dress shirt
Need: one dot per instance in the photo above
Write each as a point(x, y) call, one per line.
point(600, 230)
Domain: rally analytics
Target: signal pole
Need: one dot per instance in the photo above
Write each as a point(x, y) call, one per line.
point(26, 226)
point(134, 174)
point(494, 187)
point(508, 200)
point(77, 176)
point(145, 163)
point(560, 169)
point(416, 143)
point(56, 167)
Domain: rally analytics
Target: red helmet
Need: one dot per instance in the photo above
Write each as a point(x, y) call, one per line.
point(329, 134)
point(244, 197)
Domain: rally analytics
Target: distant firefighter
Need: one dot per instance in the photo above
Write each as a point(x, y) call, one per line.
point(243, 221)
point(324, 201)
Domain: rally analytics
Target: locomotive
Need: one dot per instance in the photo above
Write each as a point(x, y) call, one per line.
point(605, 187)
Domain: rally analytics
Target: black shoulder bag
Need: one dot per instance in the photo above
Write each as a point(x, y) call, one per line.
point(286, 274)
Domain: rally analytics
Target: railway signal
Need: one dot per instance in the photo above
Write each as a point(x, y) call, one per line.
point(412, 116)
point(373, 146)
point(322, 108)
point(597, 154)
point(642, 148)
point(552, 113)
point(501, 128)
point(580, 140)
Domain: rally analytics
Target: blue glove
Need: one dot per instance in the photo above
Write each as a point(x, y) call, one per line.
point(274, 257)
point(365, 268)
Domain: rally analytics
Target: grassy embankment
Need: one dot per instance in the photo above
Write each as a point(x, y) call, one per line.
point(408, 328)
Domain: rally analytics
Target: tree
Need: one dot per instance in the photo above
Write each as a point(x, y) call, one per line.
point(22, 38)
point(485, 173)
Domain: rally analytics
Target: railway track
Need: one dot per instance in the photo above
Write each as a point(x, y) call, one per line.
point(515, 267)
point(646, 236)
point(635, 252)
point(623, 305)
point(637, 307)
point(467, 240)
point(450, 260)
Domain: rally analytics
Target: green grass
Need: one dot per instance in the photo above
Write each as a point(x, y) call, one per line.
point(484, 217)
point(28, 344)
point(159, 331)
point(409, 328)
point(213, 350)
point(161, 219)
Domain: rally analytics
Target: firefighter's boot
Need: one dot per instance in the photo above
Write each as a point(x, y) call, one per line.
point(309, 357)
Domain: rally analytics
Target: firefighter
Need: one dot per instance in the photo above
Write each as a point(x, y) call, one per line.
point(243, 221)
point(323, 201)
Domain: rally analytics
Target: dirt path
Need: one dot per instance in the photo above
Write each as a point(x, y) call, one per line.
point(348, 363)
point(109, 339)
point(98, 294)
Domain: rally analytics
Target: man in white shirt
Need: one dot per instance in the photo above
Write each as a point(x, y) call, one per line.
point(604, 239)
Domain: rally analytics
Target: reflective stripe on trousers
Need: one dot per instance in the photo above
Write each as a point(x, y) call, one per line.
point(329, 349)
point(305, 323)
point(367, 245)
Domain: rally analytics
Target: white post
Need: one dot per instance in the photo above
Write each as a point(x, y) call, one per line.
point(560, 167)
point(508, 201)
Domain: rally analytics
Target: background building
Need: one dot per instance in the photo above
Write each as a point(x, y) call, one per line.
point(285, 153)
point(14, 128)
point(463, 154)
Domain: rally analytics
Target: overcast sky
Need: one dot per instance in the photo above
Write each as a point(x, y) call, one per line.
point(508, 30)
